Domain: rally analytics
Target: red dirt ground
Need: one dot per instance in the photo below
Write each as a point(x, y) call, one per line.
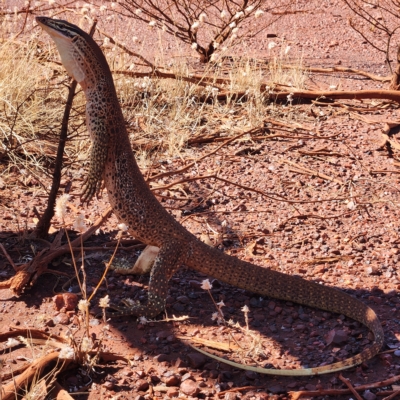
point(351, 245)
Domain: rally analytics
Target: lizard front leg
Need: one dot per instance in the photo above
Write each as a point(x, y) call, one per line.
point(98, 157)
point(166, 264)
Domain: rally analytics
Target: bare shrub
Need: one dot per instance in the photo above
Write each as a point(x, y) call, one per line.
point(378, 23)
point(207, 25)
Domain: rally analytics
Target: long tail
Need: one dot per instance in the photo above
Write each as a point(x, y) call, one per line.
point(275, 284)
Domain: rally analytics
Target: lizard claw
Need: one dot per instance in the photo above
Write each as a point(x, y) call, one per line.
point(90, 188)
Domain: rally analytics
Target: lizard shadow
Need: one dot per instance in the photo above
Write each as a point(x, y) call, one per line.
point(289, 335)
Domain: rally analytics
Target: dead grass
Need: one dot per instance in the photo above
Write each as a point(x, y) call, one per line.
point(163, 110)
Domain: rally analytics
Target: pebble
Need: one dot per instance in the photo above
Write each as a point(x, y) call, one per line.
point(183, 299)
point(173, 380)
point(61, 319)
point(276, 389)
point(368, 395)
point(251, 375)
point(336, 336)
point(173, 392)
point(230, 396)
point(142, 385)
point(196, 360)
point(189, 387)
point(108, 385)
point(161, 357)
point(68, 301)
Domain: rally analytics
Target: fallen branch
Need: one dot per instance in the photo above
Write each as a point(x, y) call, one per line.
point(297, 94)
point(312, 172)
point(339, 392)
point(350, 386)
point(34, 370)
point(373, 77)
point(268, 196)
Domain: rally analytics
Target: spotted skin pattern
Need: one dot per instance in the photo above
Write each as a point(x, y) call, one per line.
point(134, 204)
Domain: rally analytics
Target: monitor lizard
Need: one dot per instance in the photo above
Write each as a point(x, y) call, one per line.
point(112, 160)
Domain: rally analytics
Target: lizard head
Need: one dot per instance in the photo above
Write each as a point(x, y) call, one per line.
point(66, 36)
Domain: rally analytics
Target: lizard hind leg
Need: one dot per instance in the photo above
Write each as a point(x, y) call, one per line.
point(167, 262)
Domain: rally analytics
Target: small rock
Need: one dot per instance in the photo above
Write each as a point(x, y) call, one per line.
point(189, 387)
point(155, 379)
point(50, 323)
point(372, 270)
point(61, 318)
point(276, 389)
point(375, 299)
point(183, 299)
point(213, 374)
point(368, 395)
point(173, 392)
point(196, 360)
point(230, 396)
point(173, 380)
point(161, 358)
point(299, 327)
point(108, 385)
point(163, 334)
point(141, 374)
point(186, 376)
point(336, 336)
point(195, 284)
point(397, 353)
point(127, 372)
point(67, 301)
point(142, 385)
point(251, 375)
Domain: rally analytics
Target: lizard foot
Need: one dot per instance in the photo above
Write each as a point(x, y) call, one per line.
point(91, 187)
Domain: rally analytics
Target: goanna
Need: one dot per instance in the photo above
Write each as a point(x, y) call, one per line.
point(134, 204)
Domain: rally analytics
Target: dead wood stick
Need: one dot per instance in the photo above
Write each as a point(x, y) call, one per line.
point(385, 171)
point(9, 391)
point(315, 173)
point(320, 152)
point(338, 392)
point(29, 333)
point(392, 95)
point(227, 141)
point(392, 396)
point(350, 386)
point(214, 176)
point(8, 257)
point(345, 106)
point(8, 375)
point(374, 77)
point(59, 393)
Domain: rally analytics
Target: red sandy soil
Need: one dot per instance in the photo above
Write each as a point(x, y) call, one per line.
point(353, 246)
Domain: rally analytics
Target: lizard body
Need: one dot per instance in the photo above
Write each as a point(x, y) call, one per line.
point(134, 204)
